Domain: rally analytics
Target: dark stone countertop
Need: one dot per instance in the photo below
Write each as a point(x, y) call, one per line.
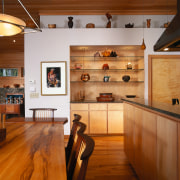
point(164, 108)
point(91, 101)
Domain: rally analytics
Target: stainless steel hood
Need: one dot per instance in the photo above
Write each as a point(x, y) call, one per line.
point(170, 39)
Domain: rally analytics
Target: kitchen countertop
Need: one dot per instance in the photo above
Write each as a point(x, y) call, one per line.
point(91, 101)
point(165, 108)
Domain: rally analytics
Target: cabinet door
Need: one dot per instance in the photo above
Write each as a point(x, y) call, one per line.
point(149, 146)
point(115, 122)
point(129, 132)
point(167, 154)
point(13, 108)
point(138, 134)
point(115, 118)
point(81, 109)
point(98, 122)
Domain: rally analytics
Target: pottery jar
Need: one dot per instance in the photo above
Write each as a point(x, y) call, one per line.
point(105, 66)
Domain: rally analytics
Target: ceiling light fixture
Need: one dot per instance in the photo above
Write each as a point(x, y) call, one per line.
point(10, 25)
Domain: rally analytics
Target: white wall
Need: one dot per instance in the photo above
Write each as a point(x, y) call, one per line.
point(53, 45)
point(100, 21)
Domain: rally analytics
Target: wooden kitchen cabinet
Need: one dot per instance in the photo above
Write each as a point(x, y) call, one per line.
point(98, 122)
point(138, 138)
point(100, 118)
point(152, 143)
point(129, 132)
point(115, 118)
point(81, 109)
point(167, 148)
point(149, 145)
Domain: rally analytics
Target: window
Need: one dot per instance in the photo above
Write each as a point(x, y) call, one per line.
point(8, 72)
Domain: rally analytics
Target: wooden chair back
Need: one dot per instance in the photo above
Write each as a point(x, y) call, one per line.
point(40, 114)
point(77, 127)
point(77, 117)
point(84, 149)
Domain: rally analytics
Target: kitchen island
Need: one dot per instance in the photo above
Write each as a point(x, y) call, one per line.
point(152, 138)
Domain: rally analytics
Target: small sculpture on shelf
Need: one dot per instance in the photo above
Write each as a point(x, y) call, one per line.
point(113, 54)
point(85, 77)
point(90, 25)
point(81, 95)
point(105, 67)
point(129, 25)
point(106, 78)
point(109, 17)
point(129, 65)
point(126, 78)
point(106, 53)
point(70, 22)
point(97, 54)
point(148, 23)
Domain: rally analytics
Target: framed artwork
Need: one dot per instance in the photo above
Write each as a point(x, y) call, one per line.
point(53, 78)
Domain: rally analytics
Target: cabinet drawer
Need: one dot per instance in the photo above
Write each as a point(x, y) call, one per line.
point(97, 106)
point(115, 106)
point(82, 106)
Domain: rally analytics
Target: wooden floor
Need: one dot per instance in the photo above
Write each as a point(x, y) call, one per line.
point(108, 161)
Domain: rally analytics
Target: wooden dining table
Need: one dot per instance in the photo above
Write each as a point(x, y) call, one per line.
point(33, 150)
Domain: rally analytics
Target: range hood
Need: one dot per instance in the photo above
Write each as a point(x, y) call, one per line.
point(170, 39)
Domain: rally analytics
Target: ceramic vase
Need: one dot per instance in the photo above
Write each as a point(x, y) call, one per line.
point(70, 22)
point(148, 23)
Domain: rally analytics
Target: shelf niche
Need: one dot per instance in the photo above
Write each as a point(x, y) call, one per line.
point(82, 57)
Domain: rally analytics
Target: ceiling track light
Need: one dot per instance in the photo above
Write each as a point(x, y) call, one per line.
point(10, 25)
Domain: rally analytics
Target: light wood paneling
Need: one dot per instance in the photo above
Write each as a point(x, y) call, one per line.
point(115, 106)
point(97, 107)
point(95, 85)
point(129, 131)
point(98, 122)
point(78, 106)
point(167, 149)
point(12, 60)
point(138, 143)
point(100, 118)
point(115, 122)
point(156, 143)
point(164, 78)
point(67, 7)
point(149, 145)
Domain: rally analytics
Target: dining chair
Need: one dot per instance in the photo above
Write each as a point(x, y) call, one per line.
point(70, 148)
point(43, 113)
point(77, 169)
point(77, 117)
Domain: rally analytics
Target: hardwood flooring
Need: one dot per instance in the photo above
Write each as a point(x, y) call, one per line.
point(108, 161)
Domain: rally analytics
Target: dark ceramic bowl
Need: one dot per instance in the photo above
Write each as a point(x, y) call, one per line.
point(130, 96)
point(105, 95)
point(126, 78)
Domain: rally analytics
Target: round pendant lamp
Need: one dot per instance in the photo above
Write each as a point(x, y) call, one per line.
point(10, 25)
